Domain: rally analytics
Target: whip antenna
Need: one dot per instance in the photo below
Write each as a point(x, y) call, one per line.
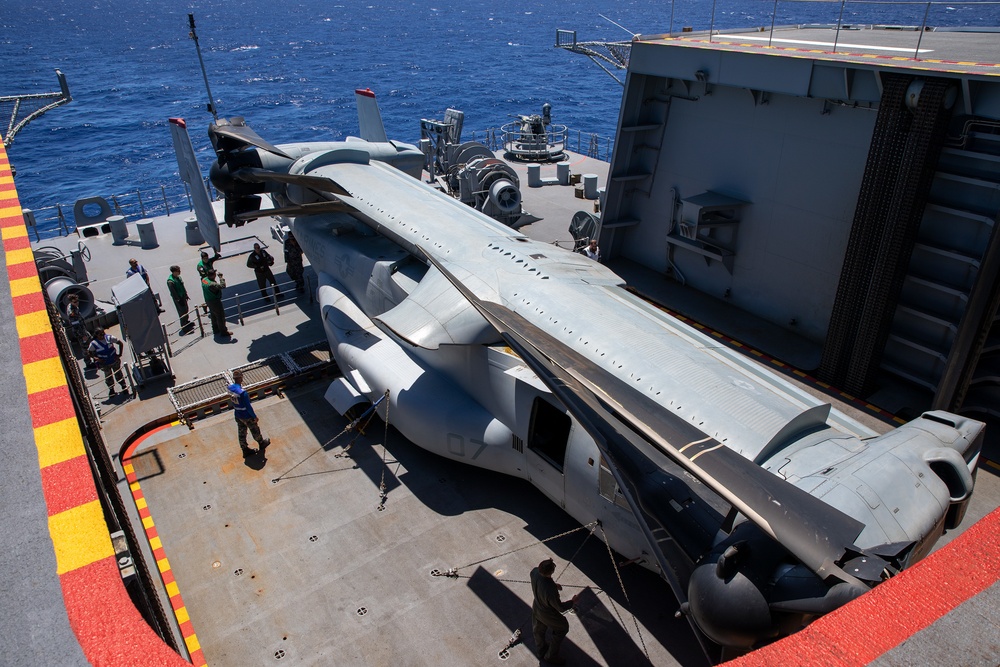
point(197, 47)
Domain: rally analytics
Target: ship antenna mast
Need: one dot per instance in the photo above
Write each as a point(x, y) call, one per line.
point(197, 47)
point(618, 25)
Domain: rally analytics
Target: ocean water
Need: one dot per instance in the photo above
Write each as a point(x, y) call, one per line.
point(290, 69)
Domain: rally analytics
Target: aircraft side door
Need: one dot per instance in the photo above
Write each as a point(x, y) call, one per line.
point(548, 436)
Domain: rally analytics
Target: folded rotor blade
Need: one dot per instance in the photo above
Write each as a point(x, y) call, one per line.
point(235, 134)
point(318, 183)
point(295, 211)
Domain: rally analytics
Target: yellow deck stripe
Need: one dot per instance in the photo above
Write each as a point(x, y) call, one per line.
point(192, 643)
point(32, 324)
point(80, 537)
point(44, 374)
point(22, 256)
point(58, 442)
point(182, 615)
point(23, 286)
point(13, 232)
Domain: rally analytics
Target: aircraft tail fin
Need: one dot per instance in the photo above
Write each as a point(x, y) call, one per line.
point(369, 116)
point(190, 173)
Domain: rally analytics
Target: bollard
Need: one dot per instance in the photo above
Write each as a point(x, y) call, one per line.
point(562, 173)
point(119, 230)
point(192, 233)
point(534, 175)
point(147, 235)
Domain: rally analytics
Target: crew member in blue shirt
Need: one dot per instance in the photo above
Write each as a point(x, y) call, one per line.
point(103, 348)
point(135, 267)
point(246, 418)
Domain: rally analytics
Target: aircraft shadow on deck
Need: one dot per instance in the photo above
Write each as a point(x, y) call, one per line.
point(451, 488)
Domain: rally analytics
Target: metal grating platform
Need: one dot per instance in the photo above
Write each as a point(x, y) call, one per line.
point(210, 390)
point(311, 356)
point(265, 371)
point(199, 392)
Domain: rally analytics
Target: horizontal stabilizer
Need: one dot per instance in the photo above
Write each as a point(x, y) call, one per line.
point(190, 173)
point(369, 117)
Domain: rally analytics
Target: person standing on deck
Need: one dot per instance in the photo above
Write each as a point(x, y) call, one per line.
point(293, 263)
point(212, 291)
point(108, 358)
point(547, 612)
point(175, 285)
point(207, 263)
point(261, 262)
point(135, 267)
point(78, 327)
point(592, 251)
point(246, 418)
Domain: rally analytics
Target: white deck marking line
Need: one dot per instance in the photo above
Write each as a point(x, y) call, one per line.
point(809, 43)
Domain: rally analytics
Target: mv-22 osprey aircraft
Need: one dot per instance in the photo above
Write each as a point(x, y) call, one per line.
point(760, 506)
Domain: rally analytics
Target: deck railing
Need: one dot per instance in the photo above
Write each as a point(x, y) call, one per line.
point(135, 205)
point(238, 306)
point(583, 143)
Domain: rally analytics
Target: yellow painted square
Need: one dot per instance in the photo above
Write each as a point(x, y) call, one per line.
point(182, 615)
point(22, 256)
point(23, 286)
point(43, 375)
point(58, 442)
point(172, 589)
point(15, 232)
point(155, 543)
point(147, 523)
point(192, 643)
point(32, 324)
point(11, 212)
point(140, 503)
point(163, 565)
point(80, 537)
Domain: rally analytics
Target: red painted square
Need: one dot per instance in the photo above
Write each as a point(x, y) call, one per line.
point(68, 484)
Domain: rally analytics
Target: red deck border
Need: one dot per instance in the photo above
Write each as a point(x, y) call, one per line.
point(106, 623)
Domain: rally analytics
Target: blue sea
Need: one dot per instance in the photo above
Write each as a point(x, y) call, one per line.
point(290, 68)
